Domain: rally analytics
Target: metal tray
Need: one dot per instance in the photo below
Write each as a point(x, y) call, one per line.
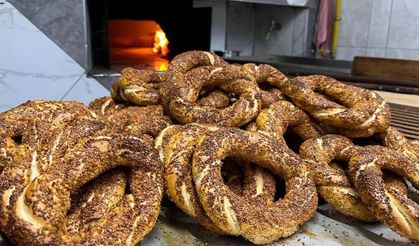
point(328, 227)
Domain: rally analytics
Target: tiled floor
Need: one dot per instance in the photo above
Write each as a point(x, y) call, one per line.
point(34, 67)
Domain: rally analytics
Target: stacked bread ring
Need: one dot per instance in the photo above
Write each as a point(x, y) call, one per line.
point(52, 151)
point(95, 175)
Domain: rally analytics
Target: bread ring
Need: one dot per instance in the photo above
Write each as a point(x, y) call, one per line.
point(182, 96)
point(44, 118)
point(274, 121)
point(177, 152)
point(242, 216)
point(179, 66)
point(189, 60)
point(127, 211)
point(40, 128)
point(395, 140)
point(37, 184)
point(148, 120)
point(390, 206)
point(361, 114)
point(140, 87)
point(331, 181)
point(268, 78)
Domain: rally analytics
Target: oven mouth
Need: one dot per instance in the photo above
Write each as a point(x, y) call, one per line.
point(124, 33)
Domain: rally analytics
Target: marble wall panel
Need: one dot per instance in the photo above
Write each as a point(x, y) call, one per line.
point(85, 90)
point(33, 67)
point(63, 21)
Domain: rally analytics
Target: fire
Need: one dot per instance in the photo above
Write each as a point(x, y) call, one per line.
point(161, 43)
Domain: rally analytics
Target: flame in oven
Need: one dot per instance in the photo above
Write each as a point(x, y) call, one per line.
point(161, 43)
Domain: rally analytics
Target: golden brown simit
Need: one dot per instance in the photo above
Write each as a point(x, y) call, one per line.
point(390, 206)
point(332, 181)
point(268, 79)
point(275, 120)
point(180, 65)
point(139, 87)
point(186, 79)
point(177, 145)
point(344, 109)
point(57, 147)
point(237, 215)
point(122, 117)
point(395, 140)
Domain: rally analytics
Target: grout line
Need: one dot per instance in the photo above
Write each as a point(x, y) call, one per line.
point(388, 28)
point(369, 23)
point(373, 47)
point(293, 31)
point(72, 87)
point(253, 28)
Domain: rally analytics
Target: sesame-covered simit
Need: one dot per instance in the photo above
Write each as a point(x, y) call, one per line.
point(260, 223)
point(390, 206)
point(52, 149)
point(177, 152)
point(344, 109)
point(331, 179)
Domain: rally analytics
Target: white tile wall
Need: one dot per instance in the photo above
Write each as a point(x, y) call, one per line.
point(279, 41)
point(299, 39)
point(353, 30)
point(392, 29)
point(31, 65)
point(379, 23)
point(404, 25)
point(348, 53)
point(402, 53)
point(289, 40)
point(240, 28)
point(378, 52)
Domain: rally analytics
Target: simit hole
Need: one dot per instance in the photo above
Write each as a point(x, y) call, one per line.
point(293, 140)
point(329, 97)
point(365, 141)
point(232, 175)
point(17, 139)
point(204, 92)
point(279, 188)
point(340, 164)
point(265, 86)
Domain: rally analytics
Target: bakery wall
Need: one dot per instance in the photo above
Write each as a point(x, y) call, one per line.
point(33, 66)
point(386, 28)
point(245, 26)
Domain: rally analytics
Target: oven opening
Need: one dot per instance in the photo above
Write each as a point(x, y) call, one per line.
point(140, 44)
point(127, 33)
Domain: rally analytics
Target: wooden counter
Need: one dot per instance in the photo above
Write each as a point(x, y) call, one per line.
point(398, 98)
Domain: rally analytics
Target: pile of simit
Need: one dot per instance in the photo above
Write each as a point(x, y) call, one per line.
point(95, 175)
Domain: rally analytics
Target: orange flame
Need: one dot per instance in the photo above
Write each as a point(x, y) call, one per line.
point(161, 43)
